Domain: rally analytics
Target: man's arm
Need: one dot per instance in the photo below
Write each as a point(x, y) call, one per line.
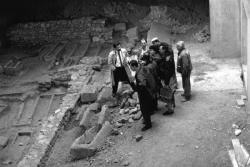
point(185, 63)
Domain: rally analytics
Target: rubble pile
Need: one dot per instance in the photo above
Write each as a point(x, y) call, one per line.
point(203, 35)
point(39, 33)
point(129, 109)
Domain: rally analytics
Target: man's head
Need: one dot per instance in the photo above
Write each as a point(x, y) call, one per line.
point(180, 45)
point(134, 65)
point(117, 46)
point(153, 49)
point(143, 42)
point(155, 41)
point(145, 59)
point(163, 49)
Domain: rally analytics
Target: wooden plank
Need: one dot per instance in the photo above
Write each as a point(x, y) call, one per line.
point(233, 158)
point(240, 154)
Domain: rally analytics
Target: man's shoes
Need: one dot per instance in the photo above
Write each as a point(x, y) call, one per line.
point(169, 112)
point(146, 127)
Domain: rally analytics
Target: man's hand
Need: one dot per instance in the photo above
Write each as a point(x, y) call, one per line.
point(163, 84)
point(113, 67)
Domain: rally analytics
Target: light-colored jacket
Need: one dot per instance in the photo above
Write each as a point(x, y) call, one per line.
point(113, 57)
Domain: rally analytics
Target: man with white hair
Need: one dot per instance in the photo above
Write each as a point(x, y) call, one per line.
point(184, 67)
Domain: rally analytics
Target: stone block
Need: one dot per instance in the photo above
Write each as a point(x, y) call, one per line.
point(80, 149)
point(85, 122)
point(120, 27)
point(105, 95)
point(240, 102)
point(95, 107)
point(88, 94)
point(138, 137)
point(104, 115)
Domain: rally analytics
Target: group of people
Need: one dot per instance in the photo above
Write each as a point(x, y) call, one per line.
point(150, 70)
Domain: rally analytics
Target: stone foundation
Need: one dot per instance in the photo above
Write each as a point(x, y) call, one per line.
point(39, 33)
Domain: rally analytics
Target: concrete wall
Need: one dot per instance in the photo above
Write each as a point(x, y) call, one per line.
point(225, 28)
point(245, 42)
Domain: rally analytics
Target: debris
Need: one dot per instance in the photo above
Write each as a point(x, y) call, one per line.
point(240, 102)
point(57, 111)
point(125, 163)
point(122, 111)
point(234, 126)
point(122, 120)
point(126, 110)
point(118, 125)
point(3, 141)
point(133, 111)
point(116, 161)
point(132, 102)
point(96, 67)
point(115, 132)
point(138, 138)
point(131, 120)
point(237, 132)
point(196, 147)
point(137, 116)
point(7, 162)
point(20, 144)
point(243, 97)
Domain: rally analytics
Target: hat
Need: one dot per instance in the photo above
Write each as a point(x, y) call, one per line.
point(155, 39)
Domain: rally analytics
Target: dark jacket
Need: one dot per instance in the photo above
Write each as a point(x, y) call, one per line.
point(145, 81)
point(166, 67)
point(184, 64)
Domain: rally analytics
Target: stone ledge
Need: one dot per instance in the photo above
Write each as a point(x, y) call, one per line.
point(47, 136)
point(81, 150)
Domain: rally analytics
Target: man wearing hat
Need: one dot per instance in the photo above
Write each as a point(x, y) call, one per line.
point(184, 67)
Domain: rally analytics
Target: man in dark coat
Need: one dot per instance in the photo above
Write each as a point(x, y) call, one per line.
point(167, 71)
point(184, 66)
point(168, 51)
point(145, 86)
point(152, 67)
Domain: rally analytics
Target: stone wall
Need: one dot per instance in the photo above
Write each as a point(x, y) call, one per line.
point(39, 33)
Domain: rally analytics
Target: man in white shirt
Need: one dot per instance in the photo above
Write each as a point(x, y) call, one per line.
point(119, 69)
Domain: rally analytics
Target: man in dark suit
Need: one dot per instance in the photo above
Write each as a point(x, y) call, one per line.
point(146, 88)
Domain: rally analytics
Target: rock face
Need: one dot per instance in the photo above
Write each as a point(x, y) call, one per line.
point(40, 33)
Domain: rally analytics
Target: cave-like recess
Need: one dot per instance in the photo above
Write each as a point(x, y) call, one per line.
point(13, 11)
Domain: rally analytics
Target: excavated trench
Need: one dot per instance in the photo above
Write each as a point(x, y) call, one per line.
point(67, 39)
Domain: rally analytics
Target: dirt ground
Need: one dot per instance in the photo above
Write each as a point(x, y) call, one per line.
point(198, 134)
